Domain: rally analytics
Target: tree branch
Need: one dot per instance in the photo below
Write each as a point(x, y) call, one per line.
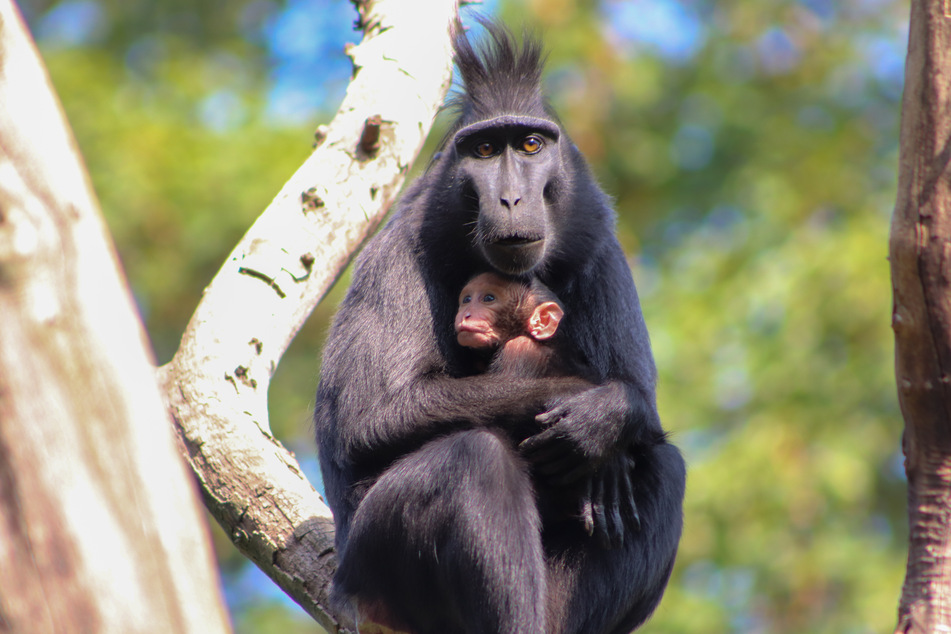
point(920, 255)
point(216, 385)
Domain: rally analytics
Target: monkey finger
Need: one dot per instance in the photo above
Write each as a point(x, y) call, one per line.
point(587, 513)
point(615, 527)
point(600, 522)
point(627, 494)
point(635, 516)
point(550, 417)
point(542, 447)
point(629, 462)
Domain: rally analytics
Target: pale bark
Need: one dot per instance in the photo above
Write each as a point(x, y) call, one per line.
point(216, 385)
point(920, 254)
point(100, 529)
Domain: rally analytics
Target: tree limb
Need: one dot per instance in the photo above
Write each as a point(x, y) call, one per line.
point(216, 385)
point(920, 255)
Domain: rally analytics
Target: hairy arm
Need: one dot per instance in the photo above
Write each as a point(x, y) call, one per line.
point(386, 388)
point(591, 436)
point(393, 421)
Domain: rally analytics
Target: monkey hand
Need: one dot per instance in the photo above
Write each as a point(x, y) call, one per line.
point(580, 433)
point(607, 503)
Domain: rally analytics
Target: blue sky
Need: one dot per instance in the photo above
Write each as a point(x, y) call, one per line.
point(305, 41)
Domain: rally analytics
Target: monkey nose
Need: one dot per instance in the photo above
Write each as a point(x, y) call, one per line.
point(510, 201)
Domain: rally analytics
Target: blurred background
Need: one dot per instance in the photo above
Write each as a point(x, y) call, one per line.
point(751, 148)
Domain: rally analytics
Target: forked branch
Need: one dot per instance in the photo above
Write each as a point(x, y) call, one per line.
point(216, 385)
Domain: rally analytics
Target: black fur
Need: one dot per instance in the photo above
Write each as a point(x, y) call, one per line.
point(502, 79)
point(439, 528)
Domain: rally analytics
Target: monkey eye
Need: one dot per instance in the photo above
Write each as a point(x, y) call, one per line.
point(466, 299)
point(484, 150)
point(488, 297)
point(531, 144)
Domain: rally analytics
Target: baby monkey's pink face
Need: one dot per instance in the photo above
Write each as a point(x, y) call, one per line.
point(493, 311)
point(482, 303)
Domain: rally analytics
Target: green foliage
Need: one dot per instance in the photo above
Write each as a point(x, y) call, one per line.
point(754, 186)
point(794, 511)
point(754, 173)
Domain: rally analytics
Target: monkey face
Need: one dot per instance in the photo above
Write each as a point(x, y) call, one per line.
point(482, 304)
point(507, 165)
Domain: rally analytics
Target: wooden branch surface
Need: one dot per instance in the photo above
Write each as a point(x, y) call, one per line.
point(100, 527)
point(920, 255)
point(216, 385)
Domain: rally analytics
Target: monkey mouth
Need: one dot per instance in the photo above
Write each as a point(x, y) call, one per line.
point(473, 336)
point(515, 255)
point(515, 241)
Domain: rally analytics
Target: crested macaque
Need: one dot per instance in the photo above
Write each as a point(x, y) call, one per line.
point(511, 323)
point(442, 522)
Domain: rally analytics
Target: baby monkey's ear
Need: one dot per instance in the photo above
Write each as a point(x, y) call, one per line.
point(543, 324)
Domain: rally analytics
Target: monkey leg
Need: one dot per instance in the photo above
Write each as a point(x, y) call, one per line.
point(594, 589)
point(448, 540)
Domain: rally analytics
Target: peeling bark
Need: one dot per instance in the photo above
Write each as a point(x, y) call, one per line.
point(216, 385)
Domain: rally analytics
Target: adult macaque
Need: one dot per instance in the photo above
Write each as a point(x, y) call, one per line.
point(438, 525)
point(511, 323)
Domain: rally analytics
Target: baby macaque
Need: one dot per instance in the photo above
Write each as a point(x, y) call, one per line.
point(513, 323)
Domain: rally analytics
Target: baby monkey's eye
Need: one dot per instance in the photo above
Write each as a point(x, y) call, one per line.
point(489, 297)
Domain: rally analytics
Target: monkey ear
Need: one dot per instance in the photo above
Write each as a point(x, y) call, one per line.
point(543, 323)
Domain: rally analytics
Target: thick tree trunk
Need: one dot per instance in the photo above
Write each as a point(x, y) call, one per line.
point(100, 530)
point(920, 254)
